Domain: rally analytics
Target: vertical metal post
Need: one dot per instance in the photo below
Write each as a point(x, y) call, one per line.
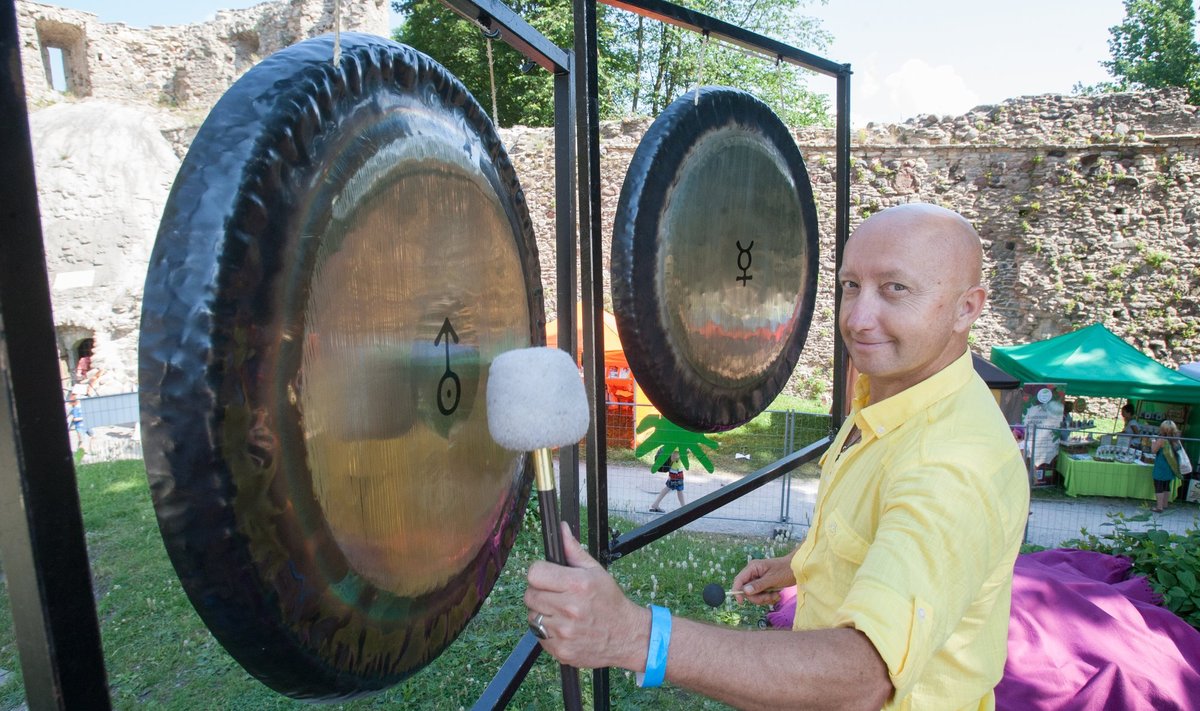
point(587, 108)
point(41, 526)
point(841, 234)
point(564, 220)
point(785, 481)
point(1031, 446)
point(568, 282)
point(1031, 449)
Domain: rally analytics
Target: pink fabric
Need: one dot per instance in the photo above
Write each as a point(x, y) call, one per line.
point(784, 611)
point(1084, 636)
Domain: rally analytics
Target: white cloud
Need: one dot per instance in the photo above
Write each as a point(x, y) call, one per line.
point(920, 88)
point(915, 88)
point(864, 84)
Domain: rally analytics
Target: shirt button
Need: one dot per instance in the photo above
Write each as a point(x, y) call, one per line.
point(833, 527)
point(920, 613)
point(878, 430)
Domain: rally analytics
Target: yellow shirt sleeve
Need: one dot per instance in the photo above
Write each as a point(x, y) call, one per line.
point(934, 551)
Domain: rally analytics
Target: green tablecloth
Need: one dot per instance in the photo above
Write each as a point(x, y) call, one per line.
point(1086, 477)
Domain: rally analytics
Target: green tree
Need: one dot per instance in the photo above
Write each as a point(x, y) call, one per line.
point(1155, 46)
point(670, 60)
point(524, 94)
point(644, 64)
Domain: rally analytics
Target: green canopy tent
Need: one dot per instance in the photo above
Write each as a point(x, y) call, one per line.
point(1094, 361)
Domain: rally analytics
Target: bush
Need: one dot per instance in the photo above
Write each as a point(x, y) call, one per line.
point(1170, 562)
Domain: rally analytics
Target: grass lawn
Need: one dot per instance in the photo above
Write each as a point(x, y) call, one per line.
point(159, 654)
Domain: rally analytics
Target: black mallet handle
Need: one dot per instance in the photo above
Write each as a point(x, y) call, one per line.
point(552, 540)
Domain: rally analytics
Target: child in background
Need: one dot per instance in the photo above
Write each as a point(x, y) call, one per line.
point(674, 483)
point(83, 435)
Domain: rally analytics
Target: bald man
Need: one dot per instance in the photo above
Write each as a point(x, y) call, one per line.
point(905, 577)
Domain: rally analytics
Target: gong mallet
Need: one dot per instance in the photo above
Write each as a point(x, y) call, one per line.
point(535, 401)
point(714, 595)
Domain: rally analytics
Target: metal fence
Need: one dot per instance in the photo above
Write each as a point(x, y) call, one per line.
point(113, 421)
point(782, 508)
point(1056, 517)
point(106, 410)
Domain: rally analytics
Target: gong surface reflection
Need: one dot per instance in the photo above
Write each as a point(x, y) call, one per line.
point(730, 312)
point(344, 252)
point(714, 260)
point(403, 303)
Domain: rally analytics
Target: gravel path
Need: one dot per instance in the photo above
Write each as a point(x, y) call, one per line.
point(631, 490)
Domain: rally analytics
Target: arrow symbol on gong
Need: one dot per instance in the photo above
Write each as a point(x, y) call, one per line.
point(449, 387)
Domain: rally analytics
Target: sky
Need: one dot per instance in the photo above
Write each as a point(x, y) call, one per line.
point(908, 58)
point(948, 56)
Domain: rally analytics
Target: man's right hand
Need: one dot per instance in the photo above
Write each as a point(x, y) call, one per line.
point(762, 579)
point(588, 620)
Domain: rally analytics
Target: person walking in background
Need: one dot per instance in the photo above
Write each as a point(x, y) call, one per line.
point(674, 482)
point(84, 364)
point(75, 424)
point(1166, 463)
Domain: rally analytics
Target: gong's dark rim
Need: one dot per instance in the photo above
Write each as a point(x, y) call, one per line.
point(672, 384)
point(216, 288)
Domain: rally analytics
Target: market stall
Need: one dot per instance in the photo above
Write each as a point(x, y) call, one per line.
point(1095, 473)
point(1093, 361)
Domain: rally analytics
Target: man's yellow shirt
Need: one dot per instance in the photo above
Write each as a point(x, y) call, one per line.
point(914, 536)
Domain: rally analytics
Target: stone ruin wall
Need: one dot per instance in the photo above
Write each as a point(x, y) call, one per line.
point(182, 66)
point(1089, 210)
point(127, 85)
point(1087, 206)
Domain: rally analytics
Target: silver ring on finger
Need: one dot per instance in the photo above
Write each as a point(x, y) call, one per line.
point(537, 628)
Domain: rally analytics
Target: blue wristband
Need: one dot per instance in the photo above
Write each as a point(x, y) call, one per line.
point(656, 655)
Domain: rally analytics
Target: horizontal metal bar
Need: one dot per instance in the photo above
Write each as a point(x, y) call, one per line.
point(644, 535)
point(509, 677)
point(496, 17)
point(726, 32)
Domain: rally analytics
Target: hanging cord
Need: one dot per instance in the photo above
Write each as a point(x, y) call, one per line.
point(490, 33)
point(492, 76)
point(749, 52)
point(337, 33)
point(779, 78)
point(700, 69)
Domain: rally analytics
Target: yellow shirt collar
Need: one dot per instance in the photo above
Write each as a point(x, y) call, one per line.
point(882, 417)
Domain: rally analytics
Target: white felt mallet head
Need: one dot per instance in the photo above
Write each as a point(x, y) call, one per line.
point(536, 400)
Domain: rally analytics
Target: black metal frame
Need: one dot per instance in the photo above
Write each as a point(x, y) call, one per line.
point(605, 544)
point(41, 525)
point(602, 547)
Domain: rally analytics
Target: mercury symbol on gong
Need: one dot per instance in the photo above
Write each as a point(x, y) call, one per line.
point(744, 251)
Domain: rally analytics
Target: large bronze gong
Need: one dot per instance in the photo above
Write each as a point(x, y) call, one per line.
point(714, 259)
point(343, 253)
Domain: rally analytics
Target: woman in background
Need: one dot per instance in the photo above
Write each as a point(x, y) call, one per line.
point(1166, 463)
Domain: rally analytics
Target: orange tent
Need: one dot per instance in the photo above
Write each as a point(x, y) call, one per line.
point(613, 352)
point(626, 402)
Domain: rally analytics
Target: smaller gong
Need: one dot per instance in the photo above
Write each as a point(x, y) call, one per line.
point(714, 259)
